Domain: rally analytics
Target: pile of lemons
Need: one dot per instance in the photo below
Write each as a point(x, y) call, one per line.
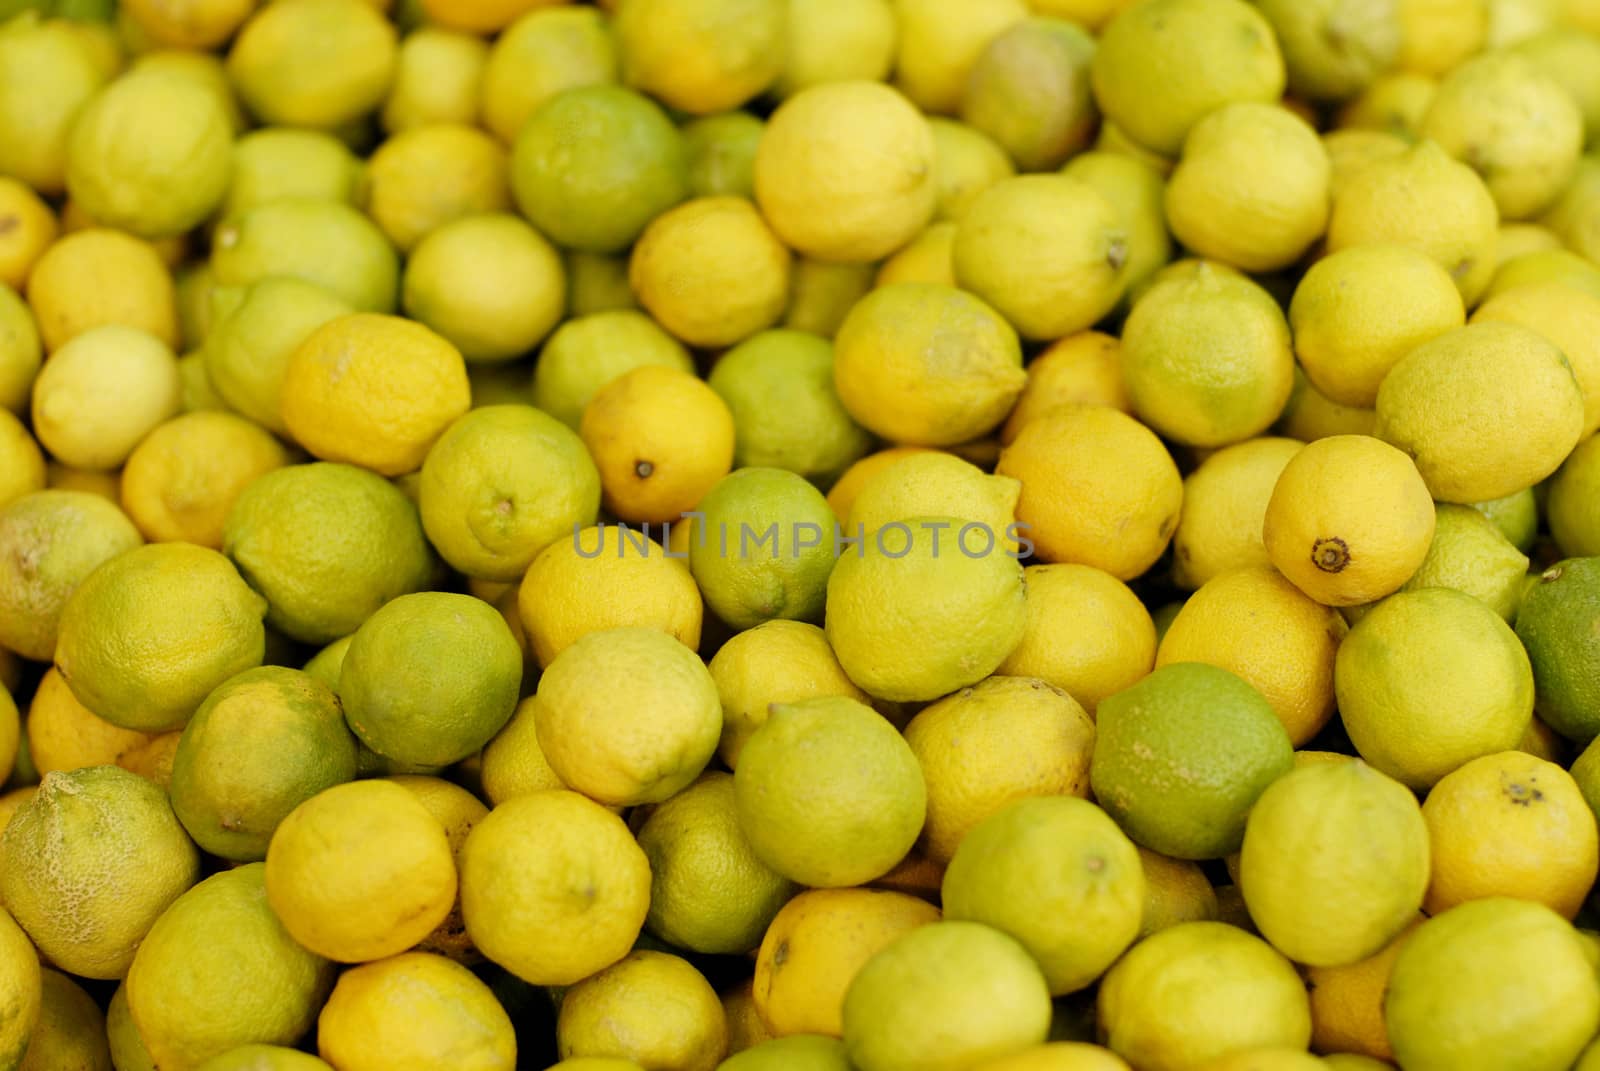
point(799, 535)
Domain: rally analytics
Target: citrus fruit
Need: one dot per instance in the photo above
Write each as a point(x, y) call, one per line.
point(1334, 50)
point(837, 41)
point(319, 241)
point(183, 478)
point(420, 180)
point(1469, 554)
point(778, 661)
point(25, 469)
point(1347, 1002)
point(436, 78)
point(1224, 505)
point(259, 746)
point(627, 715)
point(711, 271)
point(1175, 891)
point(415, 1008)
point(799, 1052)
point(98, 277)
point(586, 353)
point(965, 163)
point(544, 51)
point(262, 1058)
point(1029, 90)
point(722, 154)
point(1516, 516)
point(21, 353)
point(939, 42)
point(102, 393)
point(32, 230)
point(927, 258)
point(458, 811)
point(814, 816)
point(651, 1007)
point(1565, 317)
point(821, 294)
point(20, 989)
point(980, 749)
point(1556, 625)
point(284, 163)
point(71, 1031)
point(1081, 369)
point(1147, 770)
point(64, 735)
point(598, 282)
point(1435, 35)
point(1428, 680)
point(313, 63)
point(542, 864)
point(701, 56)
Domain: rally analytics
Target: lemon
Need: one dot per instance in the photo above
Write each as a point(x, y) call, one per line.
point(422, 179)
point(836, 41)
point(1004, 739)
point(1081, 369)
point(722, 154)
point(103, 392)
point(1358, 312)
point(1555, 625)
point(1334, 50)
point(313, 63)
point(590, 193)
point(801, 1052)
point(1029, 90)
point(415, 1008)
point(896, 370)
point(1098, 488)
point(1569, 507)
point(20, 989)
point(1351, 150)
point(189, 24)
point(1429, 680)
point(965, 163)
point(1547, 265)
point(263, 1058)
point(543, 52)
point(1163, 66)
point(1565, 317)
point(595, 1063)
point(927, 258)
point(591, 722)
point(1516, 516)
point(815, 818)
point(1086, 633)
point(939, 43)
point(1254, 623)
point(326, 545)
point(1515, 410)
point(1436, 35)
point(458, 811)
point(20, 351)
point(598, 282)
point(436, 79)
point(1347, 1002)
point(87, 903)
point(71, 1030)
point(32, 229)
point(63, 735)
point(430, 678)
point(1349, 520)
point(1266, 1059)
point(24, 469)
point(1175, 891)
point(1569, 60)
point(182, 479)
point(1520, 239)
point(1138, 192)
point(49, 76)
point(1244, 381)
point(1513, 825)
point(747, 1031)
point(852, 190)
point(650, 1007)
point(912, 1006)
point(49, 542)
point(1514, 125)
point(606, 577)
point(701, 56)
point(283, 163)
point(586, 353)
point(1488, 982)
point(1469, 554)
point(815, 947)
point(821, 293)
point(1146, 771)
point(1047, 251)
point(198, 393)
point(1204, 969)
point(97, 277)
point(1224, 504)
point(553, 887)
point(128, 1051)
point(260, 745)
point(324, 242)
point(249, 347)
point(1425, 200)
point(924, 483)
point(842, 495)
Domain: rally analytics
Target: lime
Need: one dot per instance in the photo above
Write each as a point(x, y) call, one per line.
point(328, 243)
point(1557, 624)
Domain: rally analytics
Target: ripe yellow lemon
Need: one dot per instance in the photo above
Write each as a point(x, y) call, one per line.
point(701, 56)
point(1081, 369)
point(1347, 1002)
point(939, 42)
point(423, 179)
point(1224, 503)
point(1568, 318)
point(415, 1008)
point(543, 52)
point(1175, 891)
point(183, 478)
point(589, 351)
point(285, 83)
point(101, 393)
point(651, 1007)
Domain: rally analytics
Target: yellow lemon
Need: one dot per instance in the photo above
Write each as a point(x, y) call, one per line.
point(845, 171)
point(1436, 35)
point(543, 52)
point(1350, 150)
point(822, 292)
point(199, 24)
point(182, 479)
point(314, 239)
point(24, 469)
point(64, 735)
point(96, 277)
point(586, 353)
point(701, 56)
point(939, 42)
point(1224, 504)
point(1175, 891)
point(965, 163)
point(1349, 520)
point(31, 230)
point(1310, 415)
point(313, 63)
point(20, 988)
point(373, 390)
point(842, 495)
point(71, 1030)
point(102, 393)
point(1003, 739)
point(437, 76)
point(1081, 369)
point(1347, 1001)
point(1098, 488)
point(1254, 623)
point(257, 1058)
point(419, 180)
point(415, 1009)
point(924, 259)
point(1565, 316)
point(276, 163)
point(553, 887)
point(1058, 1056)
point(21, 352)
point(936, 482)
point(479, 16)
point(513, 763)
point(837, 41)
point(50, 74)
point(653, 1008)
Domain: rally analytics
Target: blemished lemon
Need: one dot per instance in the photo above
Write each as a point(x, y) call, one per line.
point(777, 661)
point(415, 1008)
point(1208, 53)
point(373, 390)
point(553, 887)
point(64, 735)
point(1205, 968)
point(326, 545)
point(186, 622)
point(360, 871)
point(939, 42)
point(909, 1005)
point(543, 52)
point(846, 191)
point(1359, 311)
point(285, 83)
point(634, 428)
point(966, 594)
point(1564, 316)
point(321, 241)
point(1334, 863)
point(1098, 488)
point(1515, 410)
point(182, 479)
point(436, 79)
point(701, 56)
point(1488, 982)
point(1428, 680)
point(101, 393)
point(627, 715)
point(71, 1031)
point(276, 163)
point(1003, 739)
point(106, 841)
point(817, 944)
point(965, 163)
point(479, 16)
point(935, 482)
point(1256, 624)
point(1510, 824)
point(1224, 504)
point(420, 180)
point(606, 577)
point(895, 371)
point(837, 41)
point(49, 77)
point(816, 818)
point(1347, 1002)
point(651, 1007)
point(1349, 521)
point(1081, 369)
point(1057, 851)
point(1175, 891)
point(586, 353)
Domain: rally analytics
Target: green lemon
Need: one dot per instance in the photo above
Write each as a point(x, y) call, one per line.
point(1546, 265)
point(1516, 515)
point(709, 893)
point(797, 1052)
point(280, 163)
point(586, 353)
point(127, 1047)
point(327, 544)
point(324, 666)
point(1559, 625)
point(821, 294)
point(431, 677)
point(313, 63)
point(72, 1028)
point(546, 51)
point(763, 547)
point(1138, 193)
point(1573, 61)
point(597, 282)
point(20, 351)
point(965, 163)
point(1029, 91)
point(722, 154)
point(1181, 756)
point(46, 75)
point(1057, 874)
point(828, 793)
point(328, 243)
point(1471, 555)
point(259, 746)
point(437, 78)
point(146, 636)
point(594, 164)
